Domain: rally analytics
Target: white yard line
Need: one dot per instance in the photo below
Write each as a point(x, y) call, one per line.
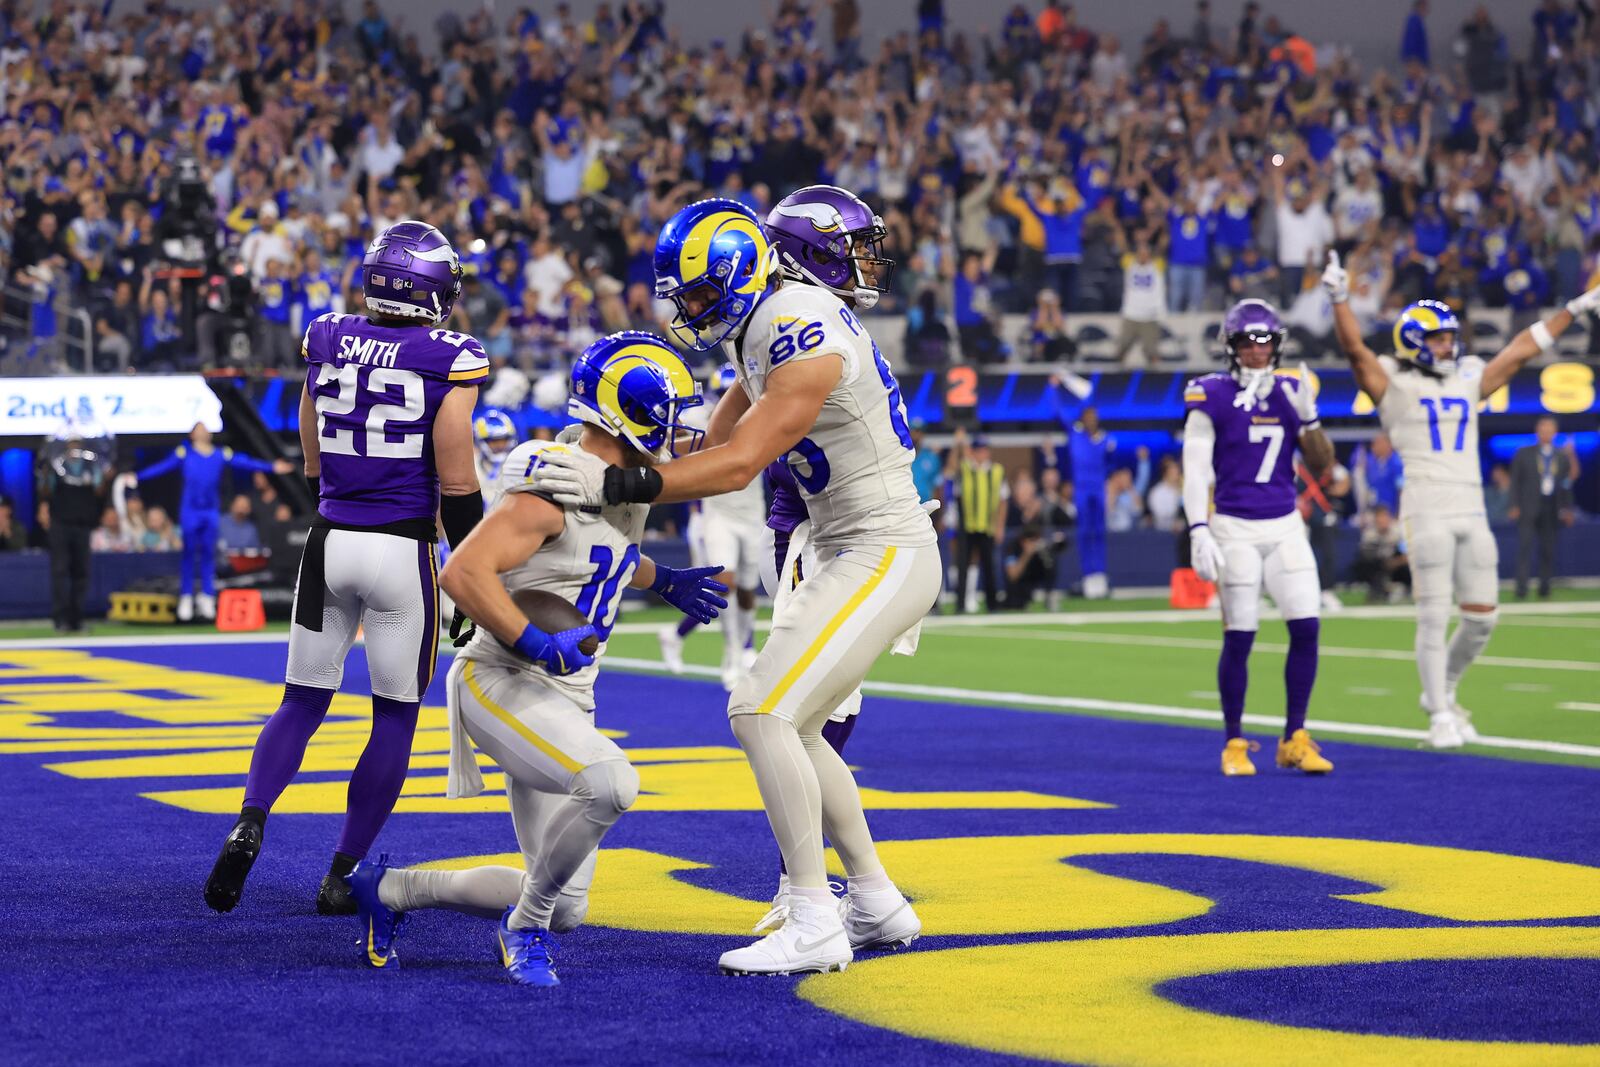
point(1577, 705)
point(1518, 662)
point(1155, 711)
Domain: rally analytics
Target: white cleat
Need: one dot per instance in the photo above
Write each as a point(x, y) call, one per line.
point(773, 919)
point(879, 919)
point(1464, 727)
point(811, 940)
point(1443, 732)
point(671, 648)
point(206, 604)
point(185, 608)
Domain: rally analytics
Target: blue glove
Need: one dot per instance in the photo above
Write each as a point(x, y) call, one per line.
point(557, 653)
point(692, 591)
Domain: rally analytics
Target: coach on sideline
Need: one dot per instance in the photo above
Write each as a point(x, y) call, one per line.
point(1541, 498)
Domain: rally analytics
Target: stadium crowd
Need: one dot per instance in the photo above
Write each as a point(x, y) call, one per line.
point(229, 163)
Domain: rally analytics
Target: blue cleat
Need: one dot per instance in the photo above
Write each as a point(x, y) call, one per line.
point(526, 954)
point(380, 926)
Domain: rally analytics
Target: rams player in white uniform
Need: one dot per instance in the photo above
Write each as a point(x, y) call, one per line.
point(816, 389)
point(495, 435)
point(731, 530)
point(526, 697)
point(1427, 401)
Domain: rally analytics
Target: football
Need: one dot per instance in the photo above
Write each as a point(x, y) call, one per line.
point(552, 614)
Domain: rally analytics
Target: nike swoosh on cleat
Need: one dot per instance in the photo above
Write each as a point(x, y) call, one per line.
point(372, 951)
point(801, 946)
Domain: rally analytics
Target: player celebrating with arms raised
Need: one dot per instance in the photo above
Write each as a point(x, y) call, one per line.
point(816, 389)
point(1427, 397)
point(1241, 432)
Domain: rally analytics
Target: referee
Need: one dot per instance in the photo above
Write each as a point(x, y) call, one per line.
point(981, 484)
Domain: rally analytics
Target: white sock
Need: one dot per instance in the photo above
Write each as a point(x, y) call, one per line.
point(1466, 644)
point(482, 891)
point(789, 792)
point(843, 821)
point(1433, 618)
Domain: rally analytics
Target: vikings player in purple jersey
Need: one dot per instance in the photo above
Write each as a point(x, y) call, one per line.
point(386, 426)
point(1240, 433)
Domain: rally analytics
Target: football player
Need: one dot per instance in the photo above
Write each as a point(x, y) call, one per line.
point(526, 697)
point(386, 427)
point(1240, 434)
point(1427, 395)
point(817, 391)
point(729, 529)
point(495, 435)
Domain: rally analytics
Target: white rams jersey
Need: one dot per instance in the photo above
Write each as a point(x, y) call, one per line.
point(1433, 424)
point(588, 565)
point(489, 477)
point(747, 505)
point(854, 467)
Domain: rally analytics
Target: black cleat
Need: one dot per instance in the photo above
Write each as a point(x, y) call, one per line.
point(334, 897)
point(239, 852)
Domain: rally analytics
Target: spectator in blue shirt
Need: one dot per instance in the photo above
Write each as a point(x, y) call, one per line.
point(1378, 475)
point(236, 529)
point(1251, 275)
point(1527, 289)
point(276, 344)
point(1414, 40)
point(317, 288)
point(1188, 250)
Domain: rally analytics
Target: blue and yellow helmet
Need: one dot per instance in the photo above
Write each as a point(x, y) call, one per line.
point(635, 386)
point(1419, 320)
point(713, 261)
point(492, 427)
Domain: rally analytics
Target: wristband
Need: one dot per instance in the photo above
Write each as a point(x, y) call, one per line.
point(459, 514)
point(1541, 336)
point(1193, 526)
point(315, 482)
point(632, 485)
point(662, 580)
point(1314, 424)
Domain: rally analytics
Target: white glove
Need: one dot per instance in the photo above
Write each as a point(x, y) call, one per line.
point(930, 506)
point(575, 478)
point(128, 480)
point(1305, 405)
point(1205, 555)
point(1256, 387)
point(1589, 302)
point(1336, 280)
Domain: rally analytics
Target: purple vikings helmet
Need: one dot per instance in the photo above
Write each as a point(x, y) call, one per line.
point(825, 235)
point(411, 272)
point(1254, 320)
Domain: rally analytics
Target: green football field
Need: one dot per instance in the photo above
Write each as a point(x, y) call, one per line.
point(1534, 694)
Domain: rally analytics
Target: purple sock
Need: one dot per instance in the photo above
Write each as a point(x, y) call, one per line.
point(379, 774)
point(685, 625)
point(1233, 676)
point(837, 733)
point(282, 744)
point(1300, 671)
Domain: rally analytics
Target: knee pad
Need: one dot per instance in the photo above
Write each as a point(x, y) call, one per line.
point(1433, 619)
point(1480, 623)
point(607, 789)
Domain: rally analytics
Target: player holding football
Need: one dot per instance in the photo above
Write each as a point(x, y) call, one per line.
point(1427, 396)
point(386, 427)
point(815, 389)
point(1240, 433)
point(526, 697)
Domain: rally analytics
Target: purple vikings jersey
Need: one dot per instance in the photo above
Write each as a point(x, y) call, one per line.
point(1254, 453)
point(377, 390)
point(788, 508)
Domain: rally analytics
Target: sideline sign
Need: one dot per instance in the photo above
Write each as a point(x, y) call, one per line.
point(37, 407)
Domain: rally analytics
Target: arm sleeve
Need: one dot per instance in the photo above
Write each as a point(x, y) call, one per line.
point(1199, 441)
point(459, 514)
point(162, 466)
